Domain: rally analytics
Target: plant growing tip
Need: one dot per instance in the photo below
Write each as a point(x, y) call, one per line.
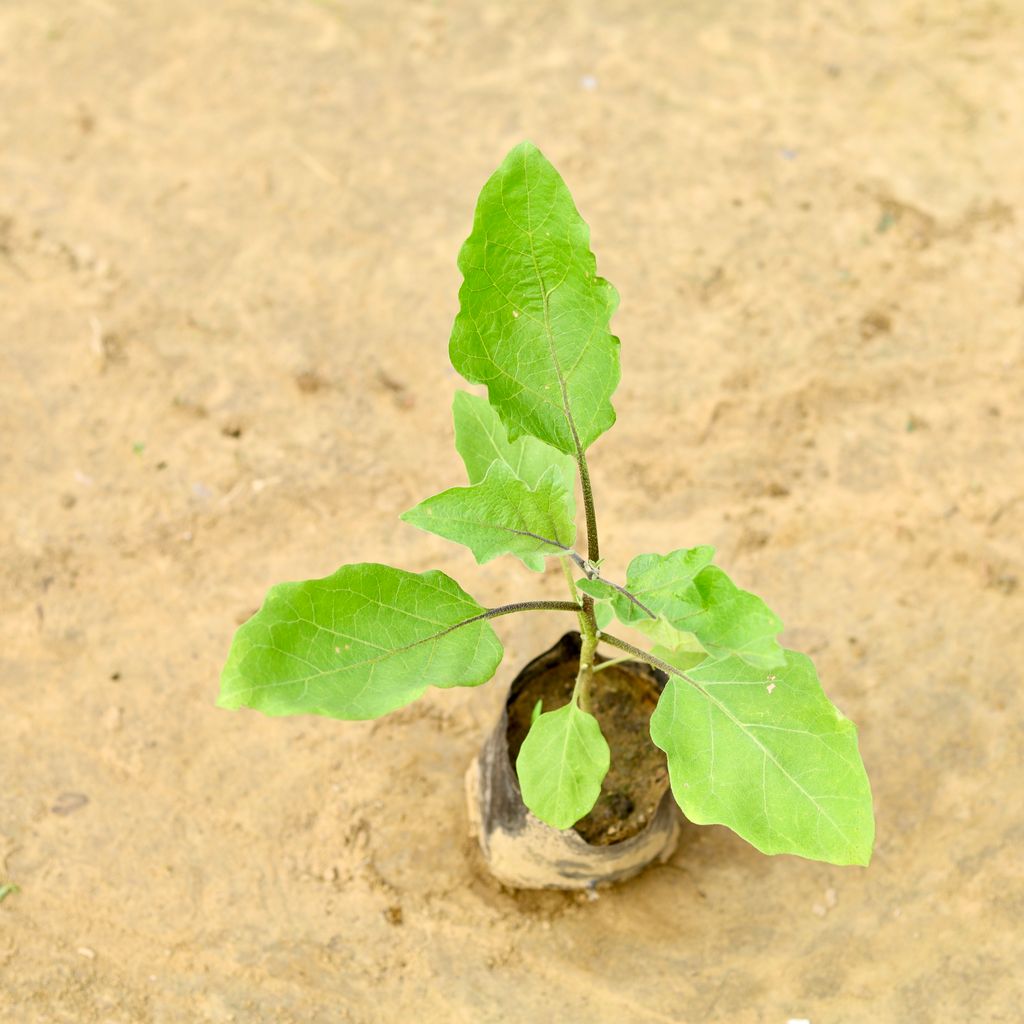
point(751, 740)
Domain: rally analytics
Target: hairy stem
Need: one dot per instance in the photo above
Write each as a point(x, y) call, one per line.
point(585, 676)
point(593, 547)
point(589, 634)
point(588, 623)
point(632, 597)
point(509, 609)
point(641, 655)
point(525, 606)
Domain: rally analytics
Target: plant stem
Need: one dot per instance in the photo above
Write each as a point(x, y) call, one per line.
point(632, 597)
point(525, 606)
point(593, 547)
point(569, 580)
point(509, 609)
point(588, 623)
point(585, 676)
point(589, 635)
point(612, 662)
point(641, 655)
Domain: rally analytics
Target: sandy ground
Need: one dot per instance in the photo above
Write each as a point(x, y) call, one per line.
point(227, 277)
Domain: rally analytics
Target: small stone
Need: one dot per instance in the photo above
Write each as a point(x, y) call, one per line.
point(68, 803)
point(819, 909)
point(308, 382)
point(831, 898)
point(89, 954)
point(112, 719)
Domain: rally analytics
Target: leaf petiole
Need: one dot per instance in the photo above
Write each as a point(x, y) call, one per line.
point(570, 581)
point(632, 597)
point(525, 606)
point(612, 662)
point(642, 655)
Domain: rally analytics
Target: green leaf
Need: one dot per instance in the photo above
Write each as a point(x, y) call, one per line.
point(598, 589)
point(695, 598)
point(765, 753)
point(358, 644)
point(481, 440)
point(501, 515)
point(561, 765)
point(733, 621)
point(665, 582)
point(673, 645)
point(533, 319)
point(603, 615)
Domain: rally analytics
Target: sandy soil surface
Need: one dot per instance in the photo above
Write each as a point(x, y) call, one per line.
point(227, 278)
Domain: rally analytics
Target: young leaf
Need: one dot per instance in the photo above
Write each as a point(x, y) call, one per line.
point(533, 317)
point(358, 644)
point(481, 440)
point(603, 614)
point(666, 581)
point(765, 753)
point(501, 515)
point(561, 765)
point(673, 645)
point(696, 598)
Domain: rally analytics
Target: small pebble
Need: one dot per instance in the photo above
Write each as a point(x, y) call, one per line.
point(89, 954)
point(68, 803)
point(112, 719)
point(831, 898)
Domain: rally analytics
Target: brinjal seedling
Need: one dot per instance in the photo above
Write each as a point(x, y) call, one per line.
point(750, 738)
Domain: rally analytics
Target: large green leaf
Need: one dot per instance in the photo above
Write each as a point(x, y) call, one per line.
point(765, 753)
point(696, 598)
point(481, 439)
point(502, 515)
point(533, 318)
point(561, 765)
point(358, 644)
